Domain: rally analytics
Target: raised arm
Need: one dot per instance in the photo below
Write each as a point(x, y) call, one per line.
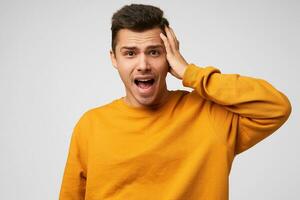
point(243, 110)
point(249, 109)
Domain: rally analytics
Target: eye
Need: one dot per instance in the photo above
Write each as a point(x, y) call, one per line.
point(129, 53)
point(154, 53)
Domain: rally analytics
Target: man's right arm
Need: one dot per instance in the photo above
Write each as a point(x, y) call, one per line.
point(74, 178)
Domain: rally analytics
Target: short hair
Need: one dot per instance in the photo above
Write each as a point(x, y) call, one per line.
point(136, 17)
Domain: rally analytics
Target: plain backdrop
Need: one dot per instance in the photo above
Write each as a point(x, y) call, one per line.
point(55, 65)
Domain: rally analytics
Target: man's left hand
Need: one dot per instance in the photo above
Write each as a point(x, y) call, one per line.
point(176, 61)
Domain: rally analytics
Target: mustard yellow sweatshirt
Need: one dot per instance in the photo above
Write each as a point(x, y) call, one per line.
point(183, 150)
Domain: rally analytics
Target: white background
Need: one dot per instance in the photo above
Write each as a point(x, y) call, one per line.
point(54, 65)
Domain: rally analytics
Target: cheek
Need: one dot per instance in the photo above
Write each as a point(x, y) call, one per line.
point(164, 68)
point(127, 64)
point(124, 73)
point(161, 64)
point(124, 70)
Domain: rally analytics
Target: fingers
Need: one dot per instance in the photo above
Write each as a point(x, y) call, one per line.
point(166, 43)
point(170, 41)
point(172, 38)
point(175, 38)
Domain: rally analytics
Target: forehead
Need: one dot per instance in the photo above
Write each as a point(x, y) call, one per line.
point(140, 39)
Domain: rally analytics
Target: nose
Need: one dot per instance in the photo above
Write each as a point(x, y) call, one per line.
point(143, 64)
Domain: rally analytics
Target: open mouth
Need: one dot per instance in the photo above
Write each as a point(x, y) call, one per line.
point(144, 83)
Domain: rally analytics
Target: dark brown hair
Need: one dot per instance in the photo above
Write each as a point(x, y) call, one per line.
point(136, 17)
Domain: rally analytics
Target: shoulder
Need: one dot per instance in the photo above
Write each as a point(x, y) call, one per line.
point(185, 96)
point(96, 113)
point(101, 108)
point(183, 101)
point(179, 94)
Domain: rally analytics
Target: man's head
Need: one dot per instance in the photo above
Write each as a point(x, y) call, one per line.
point(139, 55)
point(136, 17)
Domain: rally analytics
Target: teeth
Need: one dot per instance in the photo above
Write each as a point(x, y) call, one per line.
point(144, 79)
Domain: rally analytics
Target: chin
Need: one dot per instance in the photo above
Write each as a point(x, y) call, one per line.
point(146, 101)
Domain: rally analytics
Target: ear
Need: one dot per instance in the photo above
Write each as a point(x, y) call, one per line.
point(113, 59)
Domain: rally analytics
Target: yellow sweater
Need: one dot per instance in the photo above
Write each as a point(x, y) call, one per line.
point(183, 150)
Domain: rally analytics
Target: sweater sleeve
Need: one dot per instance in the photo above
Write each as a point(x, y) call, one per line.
point(243, 110)
point(75, 174)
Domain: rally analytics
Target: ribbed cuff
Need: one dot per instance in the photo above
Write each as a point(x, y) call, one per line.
point(190, 75)
point(194, 74)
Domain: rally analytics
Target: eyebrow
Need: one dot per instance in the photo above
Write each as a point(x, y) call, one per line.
point(148, 47)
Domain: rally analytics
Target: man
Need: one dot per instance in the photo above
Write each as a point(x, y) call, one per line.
point(166, 145)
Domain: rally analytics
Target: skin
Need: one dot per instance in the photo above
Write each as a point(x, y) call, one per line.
point(147, 53)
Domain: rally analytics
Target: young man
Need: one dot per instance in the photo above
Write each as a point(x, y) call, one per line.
point(166, 145)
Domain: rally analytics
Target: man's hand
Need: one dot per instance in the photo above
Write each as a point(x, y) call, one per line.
point(176, 61)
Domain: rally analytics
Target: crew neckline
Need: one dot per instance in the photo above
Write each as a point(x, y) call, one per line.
point(124, 107)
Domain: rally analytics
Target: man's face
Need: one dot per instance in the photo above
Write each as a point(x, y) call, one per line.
point(140, 59)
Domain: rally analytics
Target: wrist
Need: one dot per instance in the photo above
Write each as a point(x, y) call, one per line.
point(183, 70)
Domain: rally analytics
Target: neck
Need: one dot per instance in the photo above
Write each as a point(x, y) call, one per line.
point(156, 103)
